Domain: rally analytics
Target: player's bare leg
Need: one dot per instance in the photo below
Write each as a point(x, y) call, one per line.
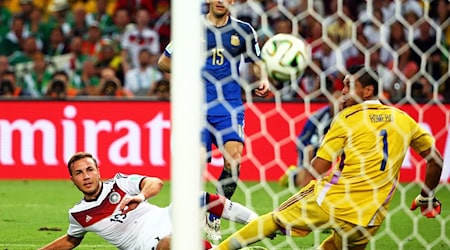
point(232, 163)
point(232, 153)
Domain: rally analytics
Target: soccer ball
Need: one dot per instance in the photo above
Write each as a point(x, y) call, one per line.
point(285, 57)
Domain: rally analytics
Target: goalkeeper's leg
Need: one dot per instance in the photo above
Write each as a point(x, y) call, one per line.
point(254, 231)
point(346, 234)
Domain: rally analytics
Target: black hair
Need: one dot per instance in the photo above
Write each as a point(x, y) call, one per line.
point(364, 77)
point(60, 72)
point(9, 72)
point(79, 156)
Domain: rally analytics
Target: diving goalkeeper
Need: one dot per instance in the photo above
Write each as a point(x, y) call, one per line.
point(370, 140)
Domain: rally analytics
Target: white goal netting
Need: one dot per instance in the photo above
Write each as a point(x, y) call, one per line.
point(406, 43)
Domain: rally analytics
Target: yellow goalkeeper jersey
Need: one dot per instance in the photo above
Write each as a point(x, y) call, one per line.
point(370, 141)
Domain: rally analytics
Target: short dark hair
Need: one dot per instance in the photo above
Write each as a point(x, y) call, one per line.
point(78, 156)
point(364, 77)
point(9, 72)
point(60, 72)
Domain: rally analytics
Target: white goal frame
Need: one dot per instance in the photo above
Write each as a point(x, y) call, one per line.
point(186, 99)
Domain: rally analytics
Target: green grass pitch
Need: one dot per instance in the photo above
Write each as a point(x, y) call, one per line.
point(33, 213)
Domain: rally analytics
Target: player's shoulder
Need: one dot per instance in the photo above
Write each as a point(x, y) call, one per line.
point(391, 109)
point(76, 205)
point(242, 24)
point(120, 176)
point(358, 109)
point(346, 112)
point(127, 179)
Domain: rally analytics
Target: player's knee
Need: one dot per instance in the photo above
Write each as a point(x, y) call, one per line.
point(164, 243)
point(233, 162)
point(233, 154)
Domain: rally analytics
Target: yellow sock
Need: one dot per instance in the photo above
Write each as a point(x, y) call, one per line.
point(254, 231)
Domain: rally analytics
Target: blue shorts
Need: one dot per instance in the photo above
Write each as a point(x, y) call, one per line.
point(221, 129)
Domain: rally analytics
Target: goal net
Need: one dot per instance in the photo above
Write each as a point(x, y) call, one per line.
point(404, 44)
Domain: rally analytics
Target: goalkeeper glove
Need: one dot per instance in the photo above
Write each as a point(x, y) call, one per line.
point(430, 206)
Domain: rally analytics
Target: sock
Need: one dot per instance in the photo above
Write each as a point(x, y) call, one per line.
point(254, 231)
point(207, 245)
point(232, 211)
point(214, 205)
point(227, 187)
point(213, 217)
point(227, 183)
point(238, 213)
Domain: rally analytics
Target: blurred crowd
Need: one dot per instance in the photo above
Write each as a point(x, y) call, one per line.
point(64, 48)
point(71, 48)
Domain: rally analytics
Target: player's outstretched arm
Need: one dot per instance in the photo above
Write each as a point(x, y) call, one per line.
point(429, 205)
point(263, 87)
point(62, 243)
point(433, 170)
point(150, 187)
point(164, 63)
point(318, 168)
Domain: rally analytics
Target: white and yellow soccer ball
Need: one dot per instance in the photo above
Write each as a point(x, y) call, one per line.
point(285, 57)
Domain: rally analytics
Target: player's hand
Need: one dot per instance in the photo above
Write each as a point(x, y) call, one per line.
point(130, 203)
point(263, 89)
point(430, 206)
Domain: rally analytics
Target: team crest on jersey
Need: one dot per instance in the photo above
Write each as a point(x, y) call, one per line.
point(235, 40)
point(114, 198)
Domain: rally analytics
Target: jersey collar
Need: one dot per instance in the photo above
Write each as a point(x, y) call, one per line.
point(372, 102)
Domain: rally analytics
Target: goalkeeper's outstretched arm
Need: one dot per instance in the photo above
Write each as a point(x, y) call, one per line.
point(317, 169)
point(433, 171)
point(429, 205)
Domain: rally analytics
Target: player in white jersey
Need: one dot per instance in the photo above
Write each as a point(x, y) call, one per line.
point(117, 209)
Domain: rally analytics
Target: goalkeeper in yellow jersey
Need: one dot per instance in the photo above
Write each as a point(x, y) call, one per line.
point(369, 141)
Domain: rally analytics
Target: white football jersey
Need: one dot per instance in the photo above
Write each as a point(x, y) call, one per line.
point(135, 40)
point(141, 228)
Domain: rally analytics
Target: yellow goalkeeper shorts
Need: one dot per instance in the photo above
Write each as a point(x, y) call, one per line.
point(301, 214)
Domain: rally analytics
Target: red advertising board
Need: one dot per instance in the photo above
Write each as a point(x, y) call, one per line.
point(38, 137)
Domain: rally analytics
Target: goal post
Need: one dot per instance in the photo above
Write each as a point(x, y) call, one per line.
point(339, 34)
point(186, 99)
